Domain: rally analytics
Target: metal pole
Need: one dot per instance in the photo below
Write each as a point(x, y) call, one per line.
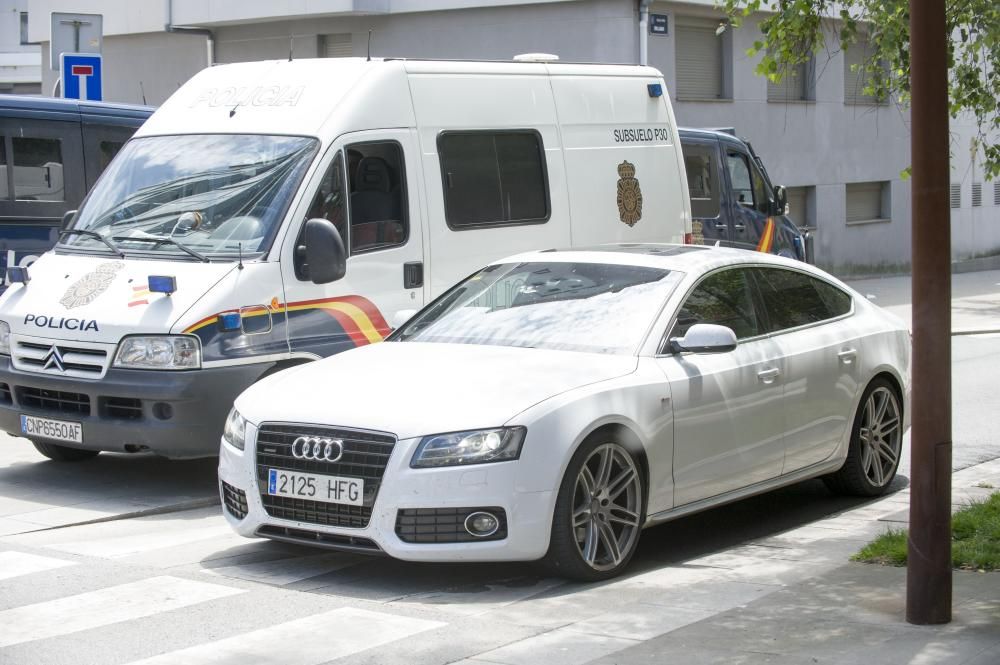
point(928, 574)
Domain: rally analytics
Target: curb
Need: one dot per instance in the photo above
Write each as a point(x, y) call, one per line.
point(194, 504)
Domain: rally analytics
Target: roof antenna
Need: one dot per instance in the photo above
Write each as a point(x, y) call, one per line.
point(291, 42)
point(369, 44)
point(239, 250)
point(143, 92)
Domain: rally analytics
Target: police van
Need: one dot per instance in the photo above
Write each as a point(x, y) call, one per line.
point(273, 213)
point(51, 153)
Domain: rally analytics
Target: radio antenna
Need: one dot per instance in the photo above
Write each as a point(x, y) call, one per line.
point(291, 42)
point(369, 44)
point(143, 92)
point(239, 251)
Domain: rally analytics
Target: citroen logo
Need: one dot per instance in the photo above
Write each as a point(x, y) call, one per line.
point(54, 359)
point(318, 449)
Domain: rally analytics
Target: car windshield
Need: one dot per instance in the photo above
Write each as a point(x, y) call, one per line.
point(592, 307)
point(220, 195)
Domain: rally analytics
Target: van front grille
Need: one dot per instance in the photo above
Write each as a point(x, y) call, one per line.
point(73, 360)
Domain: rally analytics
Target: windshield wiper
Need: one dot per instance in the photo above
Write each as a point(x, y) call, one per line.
point(92, 234)
point(161, 240)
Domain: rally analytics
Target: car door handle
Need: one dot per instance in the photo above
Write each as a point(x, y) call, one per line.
point(768, 375)
point(847, 356)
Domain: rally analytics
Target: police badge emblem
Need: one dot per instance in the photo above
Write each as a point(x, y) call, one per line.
point(629, 195)
point(86, 289)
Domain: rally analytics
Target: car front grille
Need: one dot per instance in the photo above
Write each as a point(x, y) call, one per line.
point(331, 541)
point(74, 359)
point(58, 401)
point(365, 456)
point(235, 500)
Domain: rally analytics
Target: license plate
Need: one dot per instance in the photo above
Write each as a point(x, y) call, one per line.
point(46, 428)
point(315, 487)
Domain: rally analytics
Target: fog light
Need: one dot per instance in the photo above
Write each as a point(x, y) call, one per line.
point(481, 524)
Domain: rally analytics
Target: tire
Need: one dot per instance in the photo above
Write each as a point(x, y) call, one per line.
point(64, 453)
point(582, 551)
point(876, 444)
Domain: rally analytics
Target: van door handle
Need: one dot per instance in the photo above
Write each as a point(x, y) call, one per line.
point(847, 356)
point(768, 375)
point(413, 275)
point(739, 227)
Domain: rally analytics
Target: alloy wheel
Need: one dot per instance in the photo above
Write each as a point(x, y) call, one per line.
point(607, 504)
point(881, 436)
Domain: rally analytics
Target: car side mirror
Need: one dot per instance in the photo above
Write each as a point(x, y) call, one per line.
point(67, 219)
point(324, 251)
point(780, 201)
point(705, 338)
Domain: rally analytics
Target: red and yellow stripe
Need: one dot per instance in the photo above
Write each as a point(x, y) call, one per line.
point(767, 237)
point(140, 295)
point(359, 317)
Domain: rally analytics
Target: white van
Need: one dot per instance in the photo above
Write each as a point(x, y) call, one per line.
point(273, 213)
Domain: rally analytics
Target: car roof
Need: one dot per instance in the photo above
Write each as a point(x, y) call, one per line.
point(52, 108)
point(694, 259)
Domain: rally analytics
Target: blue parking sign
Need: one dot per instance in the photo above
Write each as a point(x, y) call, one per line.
point(81, 76)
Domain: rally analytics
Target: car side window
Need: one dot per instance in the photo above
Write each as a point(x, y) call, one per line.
point(723, 298)
point(378, 205)
point(793, 299)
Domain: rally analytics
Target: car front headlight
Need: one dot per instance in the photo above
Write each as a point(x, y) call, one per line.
point(235, 433)
point(159, 352)
point(4, 338)
point(471, 447)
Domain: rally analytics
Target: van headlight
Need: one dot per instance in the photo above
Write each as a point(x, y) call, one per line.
point(4, 338)
point(159, 352)
point(235, 432)
point(471, 447)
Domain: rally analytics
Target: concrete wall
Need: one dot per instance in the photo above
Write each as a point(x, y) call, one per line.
point(19, 63)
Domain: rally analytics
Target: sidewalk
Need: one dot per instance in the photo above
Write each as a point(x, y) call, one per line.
point(975, 305)
point(795, 598)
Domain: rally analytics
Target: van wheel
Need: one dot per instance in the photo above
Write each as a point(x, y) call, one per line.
point(64, 453)
point(876, 443)
point(599, 513)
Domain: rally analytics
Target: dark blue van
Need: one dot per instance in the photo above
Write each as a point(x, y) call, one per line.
point(51, 153)
point(733, 202)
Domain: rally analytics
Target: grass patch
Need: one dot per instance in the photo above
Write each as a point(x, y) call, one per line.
point(975, 539)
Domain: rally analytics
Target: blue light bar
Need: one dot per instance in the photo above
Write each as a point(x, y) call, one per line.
point(230, 321)
point(655, 90)
point(17, 274)
point(162, 283)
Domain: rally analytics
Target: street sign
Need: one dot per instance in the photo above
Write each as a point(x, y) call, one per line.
point(657, 24)
point(74, 33)
point(81, 76)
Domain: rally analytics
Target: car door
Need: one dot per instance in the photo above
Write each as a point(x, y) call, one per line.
point(810, 322)
point(367, 189)
point(750, 202)
point(728, 416)
point(709, 218)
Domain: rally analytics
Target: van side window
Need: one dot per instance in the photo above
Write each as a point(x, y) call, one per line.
point(703, 180)
point(107, 151)
point(493, 178)
point(749, 187)
point(378, 203)
point(329, 201)
point(38, 169)
point(794, 299)
point(4, 190)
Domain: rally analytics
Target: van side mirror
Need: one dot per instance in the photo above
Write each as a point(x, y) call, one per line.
point(67, 219)
point(780, 200)
point(705, 338)
point(324, 251)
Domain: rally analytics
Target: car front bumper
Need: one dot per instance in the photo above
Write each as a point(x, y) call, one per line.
point(528, 515)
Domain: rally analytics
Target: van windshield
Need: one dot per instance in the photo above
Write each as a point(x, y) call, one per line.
point(206, 196)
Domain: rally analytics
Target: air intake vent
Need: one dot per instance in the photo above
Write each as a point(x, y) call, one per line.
point(977, 194)
point(956, 195)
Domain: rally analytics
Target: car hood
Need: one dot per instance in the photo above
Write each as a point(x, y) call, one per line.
point(412, 389)
point(100, 299)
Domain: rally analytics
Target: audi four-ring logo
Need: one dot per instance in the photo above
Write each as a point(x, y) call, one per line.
point(317, 448)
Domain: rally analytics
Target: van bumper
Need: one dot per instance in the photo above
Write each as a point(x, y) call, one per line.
point(177, 414)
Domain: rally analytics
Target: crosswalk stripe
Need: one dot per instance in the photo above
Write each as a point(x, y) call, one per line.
point(15, 564)
point(147, 541)
point(94, 609)
point(316, 639)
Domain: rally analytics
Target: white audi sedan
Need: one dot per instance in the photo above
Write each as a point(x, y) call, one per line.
point(555, 403)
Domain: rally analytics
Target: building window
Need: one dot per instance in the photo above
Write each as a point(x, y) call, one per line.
point(956, 195)
point(24, 29)
point(856, 77)
point(977, 194)
point(493, 178)
point(338, 46)
point(795, 86)
point(701, 71)
point(868, 202)
point(799, 205)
